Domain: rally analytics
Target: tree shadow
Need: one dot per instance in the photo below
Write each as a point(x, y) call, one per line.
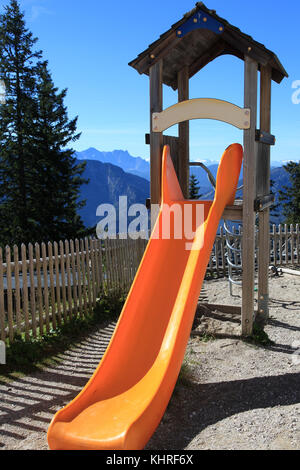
point(197, 406)
point(27, 404)
point(285, 304)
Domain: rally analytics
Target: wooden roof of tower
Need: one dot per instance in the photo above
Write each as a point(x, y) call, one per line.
point(198, 38)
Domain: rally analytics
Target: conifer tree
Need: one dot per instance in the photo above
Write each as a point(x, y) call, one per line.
point(290, 196)
point(58, 174)
point(17, 69)
point(194, 188)
point(39, 179)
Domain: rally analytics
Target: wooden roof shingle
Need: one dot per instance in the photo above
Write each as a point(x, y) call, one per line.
point(195, 49)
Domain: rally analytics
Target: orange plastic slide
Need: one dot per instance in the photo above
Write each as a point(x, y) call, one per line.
point(125, 399)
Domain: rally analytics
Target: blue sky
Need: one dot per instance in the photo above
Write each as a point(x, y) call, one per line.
point(89, 44)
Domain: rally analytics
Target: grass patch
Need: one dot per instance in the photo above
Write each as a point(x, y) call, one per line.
point(206, 337)
point(186, 374)
point(27, 356)
point(259, 337)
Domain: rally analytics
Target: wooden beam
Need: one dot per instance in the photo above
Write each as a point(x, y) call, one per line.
point(263, 189)
point(172, 141)
point(202, 108)
point(249, 169)
point(158, 52)
point(233, 212)
point(233, 309)
point(184, 135)
point(249, 50)
point(156, 138)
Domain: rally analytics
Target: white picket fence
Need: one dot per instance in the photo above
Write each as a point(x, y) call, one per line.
point(44, 285)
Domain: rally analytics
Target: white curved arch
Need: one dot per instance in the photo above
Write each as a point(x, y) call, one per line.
point(201, 108)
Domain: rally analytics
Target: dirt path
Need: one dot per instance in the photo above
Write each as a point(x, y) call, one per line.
point(234, 396)
point(28, 404)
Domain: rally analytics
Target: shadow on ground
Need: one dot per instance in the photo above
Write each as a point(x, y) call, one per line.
point(198, 406)
point(27, 404)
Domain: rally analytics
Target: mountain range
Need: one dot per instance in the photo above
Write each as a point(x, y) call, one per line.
point(106, 183)
point(135, 165)
point(117, 173)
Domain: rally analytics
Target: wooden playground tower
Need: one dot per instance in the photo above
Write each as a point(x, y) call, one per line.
point(188, 46)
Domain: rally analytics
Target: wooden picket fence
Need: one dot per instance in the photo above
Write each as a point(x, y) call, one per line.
point(285, 245)
point(284, 249)
point(43, 286)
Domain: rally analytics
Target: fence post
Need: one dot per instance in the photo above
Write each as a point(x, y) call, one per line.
point(57, 282)
point(286, 244)
point(39, 287)
point(16, 268)
point(274, 244)
point(292, 244)
point(63, 279)
point(25, 290)
point(9, 294)
point(84, 290)
point(2, 311)
point(97, 264)
point(88, 273)
point(100, 264)
point(79, 284)
point(107, 265)
point(297, 244)
point(74, 278)
point(93, 267)
point(46, 290)
point(52, 289)
point(280, 244)
point(32, 290)
point(68, 269)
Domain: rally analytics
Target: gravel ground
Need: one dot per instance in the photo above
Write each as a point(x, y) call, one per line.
point(233, 395)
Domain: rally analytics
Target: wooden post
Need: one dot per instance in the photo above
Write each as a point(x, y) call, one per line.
point(17, 288)
point(263, 189)
point(93, 269)
point(9, 294)
point(184, 133)
point(32, 290)
point(46, 289)
point(69, 282)
point(63, 279)
point(79, 277)
point(74, 277)
point(84, 286)
point(57, 282)
point(25, 290)
point(52, 285)
point(2, 307)
point(39, 288)
point(297, 243)
point(156, 138)
point(250, 157)
point(88, 274)
point(100, 264)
